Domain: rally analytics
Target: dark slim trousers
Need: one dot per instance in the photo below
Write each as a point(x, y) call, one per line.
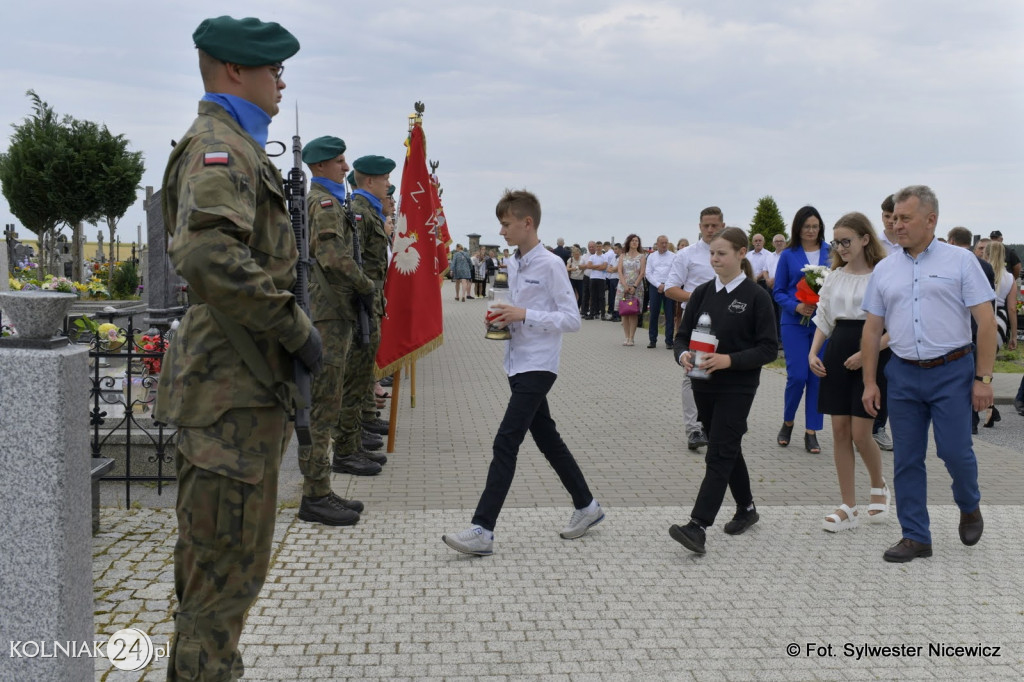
point(724, 416)
point(613, 286)
point(597, 291)
point(659, 301)
point(528, 411)
point(585, 296)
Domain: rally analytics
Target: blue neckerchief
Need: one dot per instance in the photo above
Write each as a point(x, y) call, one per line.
point(253, 120)
point(336, 189)
point(374, 201)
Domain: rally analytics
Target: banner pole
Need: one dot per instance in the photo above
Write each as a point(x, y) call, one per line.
point(393, 414)
point(412, 384)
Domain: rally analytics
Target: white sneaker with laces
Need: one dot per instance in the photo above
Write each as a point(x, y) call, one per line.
point(581, 521)
point(474, 540)
point(883, 439)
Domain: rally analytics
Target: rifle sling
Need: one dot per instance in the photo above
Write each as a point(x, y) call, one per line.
point(245, 346)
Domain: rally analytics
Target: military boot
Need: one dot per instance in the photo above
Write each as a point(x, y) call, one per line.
point(354, 464)
point(378, 457)
point(371, 441)
point(354, 505)
point(376, 425)
point(327, 510)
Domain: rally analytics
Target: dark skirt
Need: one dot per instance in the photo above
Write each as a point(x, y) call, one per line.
point(841, 390)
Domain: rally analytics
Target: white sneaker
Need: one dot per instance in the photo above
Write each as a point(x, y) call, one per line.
point(581, 521)
point(883, 439)
point(471, 541)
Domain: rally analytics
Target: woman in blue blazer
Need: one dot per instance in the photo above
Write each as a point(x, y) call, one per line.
point(806, 245)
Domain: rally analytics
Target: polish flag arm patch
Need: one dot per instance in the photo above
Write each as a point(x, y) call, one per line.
point(326, 203)
point(215, 159)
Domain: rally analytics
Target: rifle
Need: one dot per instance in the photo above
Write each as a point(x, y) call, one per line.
point(295, 193)
point(357, 256)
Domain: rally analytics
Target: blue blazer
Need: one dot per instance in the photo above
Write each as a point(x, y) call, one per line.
point(788, 274)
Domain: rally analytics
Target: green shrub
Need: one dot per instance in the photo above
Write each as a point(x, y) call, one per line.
point(125, 282)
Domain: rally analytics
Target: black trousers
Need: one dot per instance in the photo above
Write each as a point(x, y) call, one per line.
point(585, 296)
point(724, 416)
point(613, 287)
point(597, 292)
point(528, 411)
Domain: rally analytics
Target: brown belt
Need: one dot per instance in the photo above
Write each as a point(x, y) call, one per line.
point(947, 358)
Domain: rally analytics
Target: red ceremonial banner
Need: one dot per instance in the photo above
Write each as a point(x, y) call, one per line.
point(441, 233)
point(412, 325)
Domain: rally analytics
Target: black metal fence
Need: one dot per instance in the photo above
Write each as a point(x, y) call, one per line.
point(124, 366)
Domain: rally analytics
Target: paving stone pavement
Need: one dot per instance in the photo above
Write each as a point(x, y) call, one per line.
point(387, 600)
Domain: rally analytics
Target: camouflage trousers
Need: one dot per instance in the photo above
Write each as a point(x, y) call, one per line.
point(358, 384)
point(323, 415)
point(227, 503)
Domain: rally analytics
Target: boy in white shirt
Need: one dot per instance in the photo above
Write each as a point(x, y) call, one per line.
point(541, 306)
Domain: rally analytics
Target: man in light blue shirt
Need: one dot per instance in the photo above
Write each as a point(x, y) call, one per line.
point(925, 297)
point(541, 307)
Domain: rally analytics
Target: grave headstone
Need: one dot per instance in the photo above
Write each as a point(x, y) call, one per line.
point(4, 271)
point(163, 284)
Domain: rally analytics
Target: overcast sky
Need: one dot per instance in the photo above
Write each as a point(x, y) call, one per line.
point(621, 116)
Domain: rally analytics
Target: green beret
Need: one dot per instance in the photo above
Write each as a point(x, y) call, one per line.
point(391, 190)
point(246, 42)
point(374, 165)
point(352, 179)
point(323, 149)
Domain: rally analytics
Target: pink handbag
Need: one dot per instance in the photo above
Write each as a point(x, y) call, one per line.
point(629, 306)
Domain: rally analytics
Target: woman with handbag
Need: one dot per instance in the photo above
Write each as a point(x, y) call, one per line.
point(631, 270)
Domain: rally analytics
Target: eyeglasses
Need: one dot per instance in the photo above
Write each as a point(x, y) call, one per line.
point(845, 243)
point(277, 70)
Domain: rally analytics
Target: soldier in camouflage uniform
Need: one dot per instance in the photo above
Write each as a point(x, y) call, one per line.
point(334, 312)
point(228, 380)
point(372, 175)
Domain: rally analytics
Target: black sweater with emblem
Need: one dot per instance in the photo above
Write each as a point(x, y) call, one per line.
point(744, 323)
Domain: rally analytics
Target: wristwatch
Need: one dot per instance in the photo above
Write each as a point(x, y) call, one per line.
point(985, 379)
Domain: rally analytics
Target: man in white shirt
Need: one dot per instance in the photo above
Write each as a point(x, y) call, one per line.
point(888, 234)
point(611, 278)
point(759, 259)
point(659, 262)
point(585, 298)
point(690, 268)
point(596, 267)
point(541, 307)
point(779, 245)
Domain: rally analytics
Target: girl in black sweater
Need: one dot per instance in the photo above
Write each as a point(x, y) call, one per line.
point(743, 320)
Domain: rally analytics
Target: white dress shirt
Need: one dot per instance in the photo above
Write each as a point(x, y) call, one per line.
point(925, 300)
point(691, 267)
point(613, 265)
point(658, 266)
point(539, 282)
point(597, 259)
point(759, 260)
point(773, 264)
point(584, 259)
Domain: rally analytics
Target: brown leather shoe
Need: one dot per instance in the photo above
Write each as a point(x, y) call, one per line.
point(907, 550)
point(971, 526)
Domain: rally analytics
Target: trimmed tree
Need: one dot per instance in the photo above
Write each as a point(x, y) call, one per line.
point(767, 220)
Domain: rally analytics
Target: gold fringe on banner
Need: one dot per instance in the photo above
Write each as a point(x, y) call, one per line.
point(415, 355)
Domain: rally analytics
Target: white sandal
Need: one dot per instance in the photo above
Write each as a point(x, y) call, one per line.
point(833, 523)
point(882, 509)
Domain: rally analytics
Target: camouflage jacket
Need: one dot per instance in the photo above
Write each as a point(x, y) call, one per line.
point(331, 245)
point(374, 241)
point(232, 241)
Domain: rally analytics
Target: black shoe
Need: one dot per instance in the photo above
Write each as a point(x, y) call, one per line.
point(376, 457)
point(387, 381)
point(811, 443)
point(974, 429)
point(371, 441)
point(971, 526)
point(378, 426)
point(1019, 406)
point(907, 550)
point(785, 435)
point(327, 510)
point(652, 344)
point(742, 520)
point(697, 439)
point(993, 417)
point(691, 536)
point(354, 505)
point(355, 465)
